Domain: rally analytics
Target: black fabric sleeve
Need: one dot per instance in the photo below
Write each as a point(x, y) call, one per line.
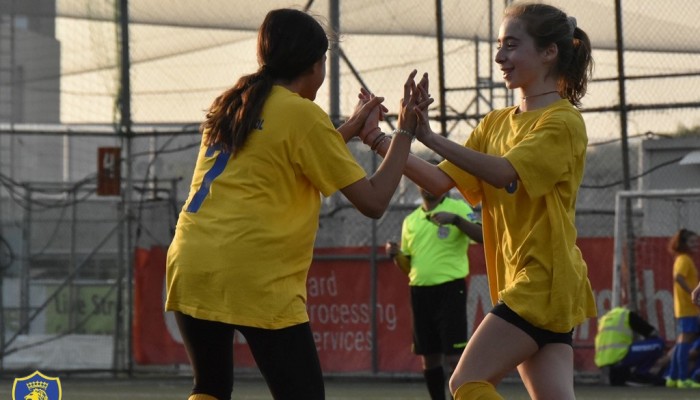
point(639, 325)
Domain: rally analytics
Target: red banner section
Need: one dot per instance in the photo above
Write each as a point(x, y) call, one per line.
point(339, 297)
point(340, 314)
point(155, 337)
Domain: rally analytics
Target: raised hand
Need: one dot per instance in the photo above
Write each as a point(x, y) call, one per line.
point(415, 101)
point(391, 249)
point(424, 88)
point(357, 123)
point(696, 295)
point(364, 97)
point(442, 218)
point(407, 115)
point(423, 129)
point(370, 129)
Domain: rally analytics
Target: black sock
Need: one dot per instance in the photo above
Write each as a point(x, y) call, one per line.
point(435, 379)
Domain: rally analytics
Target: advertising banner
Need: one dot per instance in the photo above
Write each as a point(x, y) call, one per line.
point(339, 303)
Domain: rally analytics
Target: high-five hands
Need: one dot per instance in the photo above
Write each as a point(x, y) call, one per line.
point(423, 129)
point(364, 115)
point(415, 101)
point(375, 114)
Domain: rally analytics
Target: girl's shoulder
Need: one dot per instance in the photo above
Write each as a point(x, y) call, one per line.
point(563, 109)
point(283, 96)
point(500, 113)
point(292, 107)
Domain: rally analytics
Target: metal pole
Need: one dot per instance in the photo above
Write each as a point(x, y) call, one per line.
point(116, 353)
point(72, 262)
point(509, 95)
point(477, 61)
point(617, 253)
point(25, 263)
point(10, 20)
point(441, 66)
point(374, 287)
point(625, 157)
point(334, 67)
point(125, 305)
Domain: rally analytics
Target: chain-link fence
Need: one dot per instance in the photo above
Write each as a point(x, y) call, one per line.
point(67, 90)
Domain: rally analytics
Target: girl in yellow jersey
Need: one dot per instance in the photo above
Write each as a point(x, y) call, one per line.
point(685, 277)
point(524, 164)
point(244, 239)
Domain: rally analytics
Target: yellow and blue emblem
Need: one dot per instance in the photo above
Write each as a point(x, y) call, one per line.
point(36, 386)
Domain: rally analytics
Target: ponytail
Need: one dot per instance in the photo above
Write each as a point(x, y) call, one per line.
point(235, 113)
point(577, 70)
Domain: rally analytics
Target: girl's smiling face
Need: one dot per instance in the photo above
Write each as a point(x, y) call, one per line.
point(522, 64)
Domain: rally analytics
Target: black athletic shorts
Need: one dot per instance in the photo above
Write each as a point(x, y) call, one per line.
point(439, 318)
point(539, 335)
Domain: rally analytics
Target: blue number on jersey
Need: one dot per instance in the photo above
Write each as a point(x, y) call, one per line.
point(216, 170)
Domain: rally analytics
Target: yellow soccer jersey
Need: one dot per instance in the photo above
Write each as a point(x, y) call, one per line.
point(682, 303)
point(244, 239)
point(533, 263)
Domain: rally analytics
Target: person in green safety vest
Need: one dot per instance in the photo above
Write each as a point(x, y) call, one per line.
point(628, 361)
point(435, 240)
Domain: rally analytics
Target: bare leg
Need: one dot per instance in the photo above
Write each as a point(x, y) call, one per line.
point(496, 348)
point(549, 374)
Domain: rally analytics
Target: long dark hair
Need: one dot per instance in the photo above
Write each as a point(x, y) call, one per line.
point(289, 43)
point(547, 25)
point(680, 242)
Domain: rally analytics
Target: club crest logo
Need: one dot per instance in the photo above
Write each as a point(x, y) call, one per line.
point(443, 232)
point(36, 386)
point(512, 187)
